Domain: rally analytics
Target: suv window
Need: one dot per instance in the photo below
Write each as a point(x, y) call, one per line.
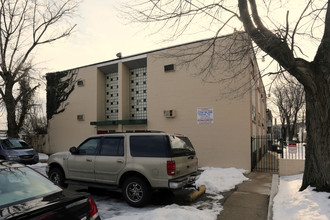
point(89, 146)
point(113, 146)
point(181, 146)
point(150, 146)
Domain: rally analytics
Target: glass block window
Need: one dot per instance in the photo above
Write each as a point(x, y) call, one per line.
point(138, 93)
point(111, 96)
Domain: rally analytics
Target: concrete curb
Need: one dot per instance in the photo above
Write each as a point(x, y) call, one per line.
point(273, 192)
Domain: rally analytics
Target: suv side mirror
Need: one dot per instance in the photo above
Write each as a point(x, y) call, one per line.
point(73, 150)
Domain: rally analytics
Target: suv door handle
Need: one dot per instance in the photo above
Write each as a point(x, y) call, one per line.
point(89, 160)
point(120, 161)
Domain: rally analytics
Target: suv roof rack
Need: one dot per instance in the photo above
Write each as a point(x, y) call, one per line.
point(128, 131)
point(143, 131)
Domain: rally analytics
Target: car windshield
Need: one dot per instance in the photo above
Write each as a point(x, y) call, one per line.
point(21, 184)
point(181, 146)
point(9, 144)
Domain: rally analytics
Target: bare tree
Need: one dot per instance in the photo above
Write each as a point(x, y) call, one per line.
point(290, 99)
point(278, 39)
point(24, 26)
point(35, 123)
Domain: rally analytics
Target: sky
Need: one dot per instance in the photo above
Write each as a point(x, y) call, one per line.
point(288, 203)
point(100, 34)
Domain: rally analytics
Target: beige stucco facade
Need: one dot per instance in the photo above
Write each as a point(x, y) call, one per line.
point(222, 141)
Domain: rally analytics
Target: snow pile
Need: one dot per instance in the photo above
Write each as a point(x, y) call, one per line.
point(289, 203)
point(43, 157)
point(170, 212)
point(220, 179)
point(40, 167)
point(216, 180)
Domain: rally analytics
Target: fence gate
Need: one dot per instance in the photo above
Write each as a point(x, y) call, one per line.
point(265, 154)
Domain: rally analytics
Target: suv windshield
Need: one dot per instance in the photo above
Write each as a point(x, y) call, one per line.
point(181, 146)
point(9, 144)
point(19, 184)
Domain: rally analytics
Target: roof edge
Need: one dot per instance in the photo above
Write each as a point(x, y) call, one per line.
point(147, 52)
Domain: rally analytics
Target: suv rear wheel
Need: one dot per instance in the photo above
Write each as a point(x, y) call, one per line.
point(136, 191)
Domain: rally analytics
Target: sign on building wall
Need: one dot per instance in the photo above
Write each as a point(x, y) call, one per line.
point(205, 115)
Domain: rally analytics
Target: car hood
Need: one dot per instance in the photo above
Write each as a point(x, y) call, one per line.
point(63, 154)
point(58, 157)
point(20, 152)
point(39, 206)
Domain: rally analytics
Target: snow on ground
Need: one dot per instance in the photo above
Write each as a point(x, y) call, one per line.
point(216, 180)
point(220, 179)
point(289, 203)
point(211, 177)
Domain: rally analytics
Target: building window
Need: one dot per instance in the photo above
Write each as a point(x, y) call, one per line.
point(253, 113)
point(168, 68)
point(111, 97)
point(138, 94)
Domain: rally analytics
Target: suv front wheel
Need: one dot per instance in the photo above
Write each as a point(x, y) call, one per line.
point(57, 176)
point(136, 191)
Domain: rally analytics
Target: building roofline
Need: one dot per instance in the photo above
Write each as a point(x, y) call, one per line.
point(145, 53)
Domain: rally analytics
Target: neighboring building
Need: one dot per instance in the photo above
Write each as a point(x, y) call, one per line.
point(156, 90)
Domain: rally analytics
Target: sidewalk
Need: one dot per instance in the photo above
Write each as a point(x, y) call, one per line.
point(250, 200)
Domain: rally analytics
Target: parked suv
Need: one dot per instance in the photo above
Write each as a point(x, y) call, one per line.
point(134, 162)
point(14, 149)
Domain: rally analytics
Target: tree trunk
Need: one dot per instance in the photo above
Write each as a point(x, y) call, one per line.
point(315, 77)
point(317, 163)
point(13, 129)
point(10, 103)
point(284, 131)
point(291, 132)
point(289, 129)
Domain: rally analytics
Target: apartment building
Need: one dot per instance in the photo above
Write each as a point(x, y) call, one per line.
point(209, 90)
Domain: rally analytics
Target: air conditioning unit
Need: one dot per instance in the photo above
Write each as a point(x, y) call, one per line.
point(169, 113)
point(81, 117)
point(80, 82)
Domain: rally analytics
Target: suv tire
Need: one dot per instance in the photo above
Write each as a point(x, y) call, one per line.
point(136, 191)
point(57, 177)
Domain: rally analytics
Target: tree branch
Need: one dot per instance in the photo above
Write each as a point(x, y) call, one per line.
point(324, 48)
point(297, 24)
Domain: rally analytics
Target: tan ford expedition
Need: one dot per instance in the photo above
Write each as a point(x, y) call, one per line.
point(136, 163)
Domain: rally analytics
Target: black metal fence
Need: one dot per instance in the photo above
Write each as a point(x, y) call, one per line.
point(265, 154)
